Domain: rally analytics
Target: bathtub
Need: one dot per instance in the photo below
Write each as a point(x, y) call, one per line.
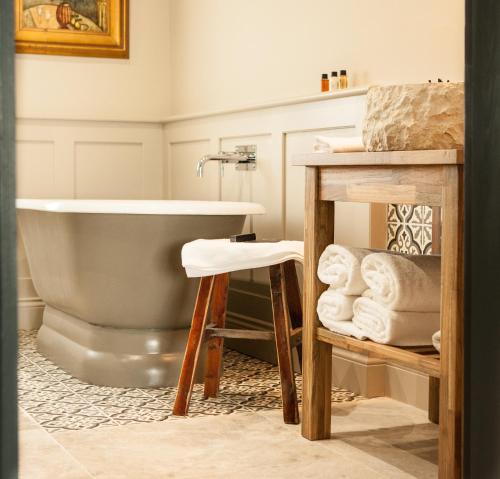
point(118, 303)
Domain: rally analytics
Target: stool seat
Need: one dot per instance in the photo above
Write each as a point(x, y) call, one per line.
point(212, 257)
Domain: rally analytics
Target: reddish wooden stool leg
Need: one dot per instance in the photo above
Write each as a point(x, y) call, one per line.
point(193, 347)
point(283, 348)
point(293, 300)
point(215, 345)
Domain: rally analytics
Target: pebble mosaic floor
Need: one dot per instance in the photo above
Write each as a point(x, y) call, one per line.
point(58, 401)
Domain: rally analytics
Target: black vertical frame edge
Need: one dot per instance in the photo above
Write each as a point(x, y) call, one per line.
point(482, 241)
point(8, 292)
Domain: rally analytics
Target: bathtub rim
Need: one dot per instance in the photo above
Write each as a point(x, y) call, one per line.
point(142, 207)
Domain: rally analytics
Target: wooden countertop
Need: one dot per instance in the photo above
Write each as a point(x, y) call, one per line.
point(389, 158)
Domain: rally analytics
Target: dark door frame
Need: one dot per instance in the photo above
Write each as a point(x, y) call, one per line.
point(8, 293)
point(482, 241)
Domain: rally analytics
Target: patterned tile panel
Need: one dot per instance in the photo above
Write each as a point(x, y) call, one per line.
point(58, 402)
point(409, 229)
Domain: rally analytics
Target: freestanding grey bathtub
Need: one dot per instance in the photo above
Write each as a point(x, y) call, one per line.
point(118, 303)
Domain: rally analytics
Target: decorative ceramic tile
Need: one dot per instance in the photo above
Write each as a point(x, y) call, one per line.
point(409, 229)
point(57, 401)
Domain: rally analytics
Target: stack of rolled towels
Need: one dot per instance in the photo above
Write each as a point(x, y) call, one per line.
point(386, 297)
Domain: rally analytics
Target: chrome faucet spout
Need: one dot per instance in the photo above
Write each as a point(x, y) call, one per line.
point(243, 157)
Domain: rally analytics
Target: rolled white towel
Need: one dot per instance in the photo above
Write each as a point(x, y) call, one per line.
point(436, 340)
point(340, 267)
point(346, 328)
point(404, 282)
point(346, 144)
point(335, 306)
point(399, 328)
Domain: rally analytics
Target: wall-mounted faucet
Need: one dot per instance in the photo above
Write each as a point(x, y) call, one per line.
point(244, 157)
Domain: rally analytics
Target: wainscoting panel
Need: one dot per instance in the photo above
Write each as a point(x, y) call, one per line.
point(109, 170)
point(86, 159)
point(184, 183)
point(36, 168)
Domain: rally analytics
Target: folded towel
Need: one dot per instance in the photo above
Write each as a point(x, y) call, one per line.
point(335, 306)
point(210, 257)
point(335, 313)
point(327, 144)
point(398, 328)
point(346, 328)
point(436, 340)
point(340, 267)
point(403, 282)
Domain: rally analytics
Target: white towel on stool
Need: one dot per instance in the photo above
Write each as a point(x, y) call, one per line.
point(327, 144)
point(335, 306)
point(404, 282)
point(340, 267)
point(399, 328)
point(210, 257)
point(436, 340)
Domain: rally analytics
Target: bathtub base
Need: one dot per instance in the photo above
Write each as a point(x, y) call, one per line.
point(115, 357)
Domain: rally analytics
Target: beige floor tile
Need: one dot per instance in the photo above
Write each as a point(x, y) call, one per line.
point(396, 441)
point(404, 452)
point(386, 435)
point(374, 414)
point(332, 468)
point(26, 423)
point(41, 457)
point(362, 415)
point(224, 446)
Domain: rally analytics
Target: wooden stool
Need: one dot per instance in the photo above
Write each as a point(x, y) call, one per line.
point(213, 292)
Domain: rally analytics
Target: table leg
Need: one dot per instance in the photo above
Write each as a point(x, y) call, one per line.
point(434, 382)
point(451, 390)
point(317, 356)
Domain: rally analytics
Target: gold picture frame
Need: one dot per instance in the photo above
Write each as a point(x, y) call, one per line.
point(88, 28)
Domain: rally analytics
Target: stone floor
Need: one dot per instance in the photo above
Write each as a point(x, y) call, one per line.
point(371, 439)
point(73, 430)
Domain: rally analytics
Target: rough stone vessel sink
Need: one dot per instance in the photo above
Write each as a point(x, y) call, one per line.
point(118, 303)
point(429, 116)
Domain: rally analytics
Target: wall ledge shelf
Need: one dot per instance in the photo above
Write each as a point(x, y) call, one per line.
point(348, 92)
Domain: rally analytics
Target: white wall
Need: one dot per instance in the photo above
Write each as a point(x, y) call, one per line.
point(227, 53)
point(103, 89)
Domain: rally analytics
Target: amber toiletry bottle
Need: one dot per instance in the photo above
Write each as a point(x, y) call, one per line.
point(334, 82)
point(343, 83)
point(325, 84)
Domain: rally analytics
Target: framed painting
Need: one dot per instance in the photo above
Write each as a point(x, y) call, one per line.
point(90, 28)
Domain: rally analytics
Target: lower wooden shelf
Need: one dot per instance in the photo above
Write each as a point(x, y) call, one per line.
point(421, 358)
